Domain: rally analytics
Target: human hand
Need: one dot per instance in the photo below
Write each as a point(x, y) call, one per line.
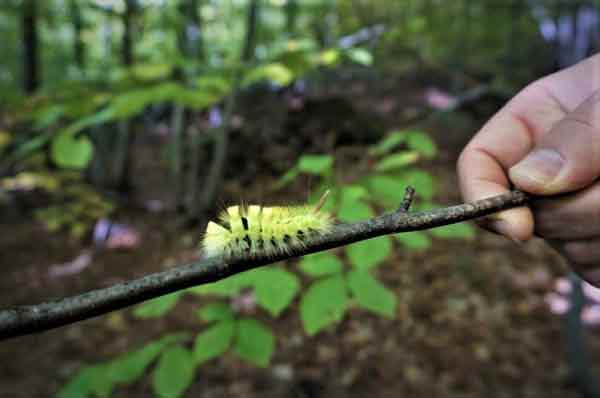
point(545, 141)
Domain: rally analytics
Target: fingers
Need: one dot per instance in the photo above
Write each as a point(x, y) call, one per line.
point(568, 157)
point(550, 120)
point(501, 143)
point(583, 256)
point(571, 217)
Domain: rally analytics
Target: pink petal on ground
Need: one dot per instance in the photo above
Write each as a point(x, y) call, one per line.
point(439, 99)
point(591, 292)
point(562, 286)
point(75, 266)
point(558, 304)
point(591, 315)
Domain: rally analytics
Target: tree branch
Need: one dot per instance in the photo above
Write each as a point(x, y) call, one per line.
point(35, 318)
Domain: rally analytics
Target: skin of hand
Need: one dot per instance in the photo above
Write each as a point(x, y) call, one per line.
point(545, 141)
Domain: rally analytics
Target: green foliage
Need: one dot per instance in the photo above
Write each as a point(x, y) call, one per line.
point(99, 380)
point(214, 341)
point(157, 307)
point(71, 152)
point(371, 294)
point(324, 303)
point(275, 289)
point(75, 206)
point(369, 253)
point(174, 373)
point(254, 342)
point(321, 264)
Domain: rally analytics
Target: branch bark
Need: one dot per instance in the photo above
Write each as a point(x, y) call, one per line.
point(40, 317)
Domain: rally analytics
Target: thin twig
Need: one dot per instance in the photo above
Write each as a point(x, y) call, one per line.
point(35, 318)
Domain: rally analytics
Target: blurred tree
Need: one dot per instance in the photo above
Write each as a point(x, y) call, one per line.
point(78, 43)
point(31, 65)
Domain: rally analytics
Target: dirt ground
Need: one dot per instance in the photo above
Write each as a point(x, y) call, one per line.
point(465, 326)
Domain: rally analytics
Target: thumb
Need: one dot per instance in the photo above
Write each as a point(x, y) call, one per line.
point(566, 158)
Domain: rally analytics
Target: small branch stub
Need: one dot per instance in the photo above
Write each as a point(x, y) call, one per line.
point(409, 195)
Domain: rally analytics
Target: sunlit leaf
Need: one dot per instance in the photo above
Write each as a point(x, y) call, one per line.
point(396, 161)
point(315, 164)
point(274, 72)
point(360, 56)
point(71, 152)
point(389, 143)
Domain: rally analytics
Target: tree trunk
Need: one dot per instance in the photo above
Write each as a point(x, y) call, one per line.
point(127, 43)
point(78, 44)
point(251, 25)
point(291, 17)
point(31, 67)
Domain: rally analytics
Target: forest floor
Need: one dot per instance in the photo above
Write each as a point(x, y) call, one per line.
point(467, 325)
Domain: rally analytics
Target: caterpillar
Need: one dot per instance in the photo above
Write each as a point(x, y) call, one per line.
point(256, 230)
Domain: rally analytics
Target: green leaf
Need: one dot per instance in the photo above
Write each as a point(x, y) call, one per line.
point(255, 342)
point(315, 164)
point(422, 143)
point(360, 56)
point(82, 385)
point(71, 152)
point(275, 72)
point(275, 289)
point(371, 294)
point(288, 177)
point(215, 312)
point(174, 372)
point(417, 240)
point(230, 286)
point(351, 207)
point(396, 161)
point(131, 366)
point(329, 57)
point(324, 303)
point(369, 253)
point(421, 181)
point(457, 231)
point(389, 142)
point(321, 264)
point(387, 190)
point(214, 341)
point(156, 307)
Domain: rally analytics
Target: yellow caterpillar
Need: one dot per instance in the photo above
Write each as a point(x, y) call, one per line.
point(255, 230)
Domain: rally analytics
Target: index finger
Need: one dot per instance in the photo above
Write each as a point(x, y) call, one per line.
point(502, 142)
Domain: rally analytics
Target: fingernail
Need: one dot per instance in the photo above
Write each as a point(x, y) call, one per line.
point(503, 228)
point(540, 167)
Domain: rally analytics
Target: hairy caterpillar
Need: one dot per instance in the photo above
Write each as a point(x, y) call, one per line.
point(256, 230)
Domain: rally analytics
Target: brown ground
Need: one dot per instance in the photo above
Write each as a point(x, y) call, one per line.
point(463, 326)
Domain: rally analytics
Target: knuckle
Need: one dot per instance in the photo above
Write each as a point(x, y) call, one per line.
point(580, 253)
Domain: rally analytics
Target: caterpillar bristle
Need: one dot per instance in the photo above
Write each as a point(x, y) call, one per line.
point(257, 230)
